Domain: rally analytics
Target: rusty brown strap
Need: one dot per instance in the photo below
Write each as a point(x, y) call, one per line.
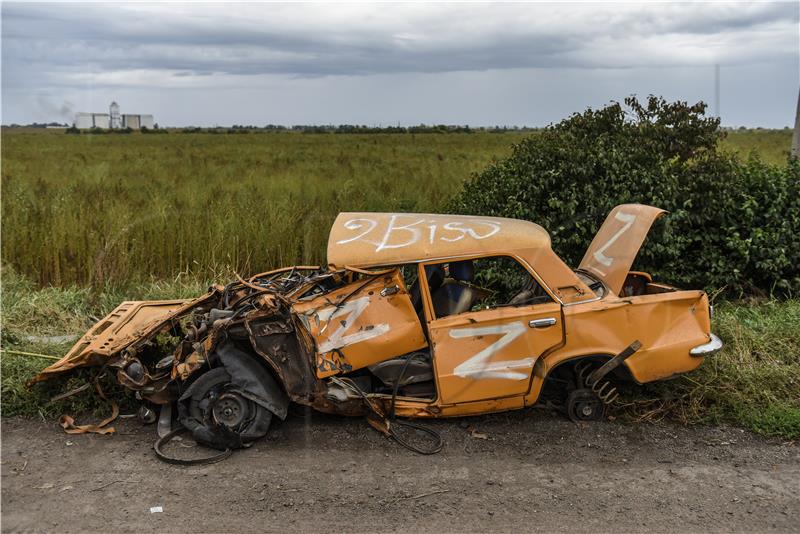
point(69, 426)
point(613, 363)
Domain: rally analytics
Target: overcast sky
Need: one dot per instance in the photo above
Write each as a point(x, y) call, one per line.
point(478, 64)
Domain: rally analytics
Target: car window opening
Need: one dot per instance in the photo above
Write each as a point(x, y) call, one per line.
point(482, 284)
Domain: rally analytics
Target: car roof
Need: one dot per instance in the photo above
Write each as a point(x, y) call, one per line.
point(365, 239)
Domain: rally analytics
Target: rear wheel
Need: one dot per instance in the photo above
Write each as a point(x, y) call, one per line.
point(584, 405)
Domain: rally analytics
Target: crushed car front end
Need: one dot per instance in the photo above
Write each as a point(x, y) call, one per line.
point(230, 359)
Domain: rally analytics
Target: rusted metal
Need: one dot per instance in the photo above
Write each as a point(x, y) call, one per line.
point(130, 323)
point(317, 332)
point(612, 364)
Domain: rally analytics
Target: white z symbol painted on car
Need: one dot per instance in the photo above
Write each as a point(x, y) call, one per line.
point(622, 217)
point(352, 310)
point(479, 367)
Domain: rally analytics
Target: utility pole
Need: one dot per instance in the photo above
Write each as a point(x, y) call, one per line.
point(716, 91)
point(796, 136)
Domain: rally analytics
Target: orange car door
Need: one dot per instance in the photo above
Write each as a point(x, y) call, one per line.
point(489, 354)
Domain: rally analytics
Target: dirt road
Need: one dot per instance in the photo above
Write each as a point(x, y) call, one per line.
point(534, 471)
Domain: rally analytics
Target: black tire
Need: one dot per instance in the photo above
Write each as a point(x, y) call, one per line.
point(218, 415)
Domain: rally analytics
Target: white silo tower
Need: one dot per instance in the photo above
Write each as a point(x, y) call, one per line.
point(116, 120)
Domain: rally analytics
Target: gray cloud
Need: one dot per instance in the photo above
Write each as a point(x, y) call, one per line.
point(322, 40)
point(52, 49)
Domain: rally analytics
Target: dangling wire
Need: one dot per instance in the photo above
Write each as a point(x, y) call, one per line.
point(439, 442)
point(438, 446)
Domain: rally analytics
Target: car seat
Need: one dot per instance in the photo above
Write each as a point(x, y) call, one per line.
point(456, 295)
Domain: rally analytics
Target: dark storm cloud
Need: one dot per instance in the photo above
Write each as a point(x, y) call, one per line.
point(277, 39)
point(200, 63)
point(130, 41)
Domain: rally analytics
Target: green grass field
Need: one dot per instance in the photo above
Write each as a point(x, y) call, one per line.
point(114, 209)
point(770, 145)
point(121, 209)
point(90, 220)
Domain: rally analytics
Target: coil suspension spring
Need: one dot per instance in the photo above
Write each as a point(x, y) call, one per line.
point(604, 390)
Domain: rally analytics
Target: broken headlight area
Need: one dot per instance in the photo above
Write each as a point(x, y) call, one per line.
point(205, 360)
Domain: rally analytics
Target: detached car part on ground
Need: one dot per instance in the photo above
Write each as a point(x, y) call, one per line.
point(407, 319)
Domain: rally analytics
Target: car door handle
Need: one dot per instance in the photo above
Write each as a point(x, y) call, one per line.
point(542, 323)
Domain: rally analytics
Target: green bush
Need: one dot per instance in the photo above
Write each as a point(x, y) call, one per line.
point(733, 225)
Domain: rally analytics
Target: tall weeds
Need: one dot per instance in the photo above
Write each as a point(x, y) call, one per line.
point(110, 210)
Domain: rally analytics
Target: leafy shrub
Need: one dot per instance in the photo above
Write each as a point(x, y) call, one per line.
point(733, 224)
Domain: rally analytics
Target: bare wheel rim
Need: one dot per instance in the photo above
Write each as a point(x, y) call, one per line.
point(230, 410)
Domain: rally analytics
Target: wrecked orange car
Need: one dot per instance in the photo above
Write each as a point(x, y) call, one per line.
point(416, 315)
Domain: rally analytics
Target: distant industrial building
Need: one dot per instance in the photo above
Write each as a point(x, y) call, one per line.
point(113, 119)
point(91, 120)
